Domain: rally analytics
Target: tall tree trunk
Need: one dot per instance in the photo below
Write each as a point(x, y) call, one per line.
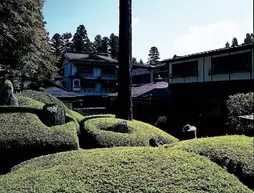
point(124, 100)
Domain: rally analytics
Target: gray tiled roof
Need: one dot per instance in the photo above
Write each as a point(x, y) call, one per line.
point(158, 89)
point(136, 65)
point(80, 56)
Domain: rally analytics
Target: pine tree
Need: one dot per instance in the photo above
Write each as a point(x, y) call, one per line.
point(154, 55)
point(81, 41)
point(114, 46)
point(57, 44)
point(234, 42)
point(248, 39)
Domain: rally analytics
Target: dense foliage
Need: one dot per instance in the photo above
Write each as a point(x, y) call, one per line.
point(235, 153)
point(121, 170)
point(23, 39)
point(100, 132)
point(240, 104)
point(24, 136)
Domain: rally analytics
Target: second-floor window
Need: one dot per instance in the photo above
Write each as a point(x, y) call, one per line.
point(185, 69)
point(231, 63)
point(85, 71)
point(108, 71)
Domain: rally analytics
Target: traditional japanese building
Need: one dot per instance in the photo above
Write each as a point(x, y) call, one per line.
point(89, 74)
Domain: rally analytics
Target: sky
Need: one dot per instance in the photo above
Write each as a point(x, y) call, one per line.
point(174, 26)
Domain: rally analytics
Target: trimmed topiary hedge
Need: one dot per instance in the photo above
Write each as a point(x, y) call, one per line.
point(240, 104)
point(234, 153)
point(24, 136)
point(45, 98)
point(121, 170)
point(99, 131)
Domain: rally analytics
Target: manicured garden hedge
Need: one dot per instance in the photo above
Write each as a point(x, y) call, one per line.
point(45, 98)
point(98, 131)
point(240, 104)
point(234, 153)
point(24, 136)
point(141, 169)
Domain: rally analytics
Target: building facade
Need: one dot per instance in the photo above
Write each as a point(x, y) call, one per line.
point(89, 74)
point(227, 64)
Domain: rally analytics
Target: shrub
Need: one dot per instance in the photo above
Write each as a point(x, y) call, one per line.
point(99, 131)
point(235, 153)
point(45, 98)
point(24, 136)
point(240, 104)
point(121, 170)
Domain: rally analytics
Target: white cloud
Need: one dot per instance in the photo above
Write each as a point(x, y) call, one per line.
point(135, 20)
point(210, 36)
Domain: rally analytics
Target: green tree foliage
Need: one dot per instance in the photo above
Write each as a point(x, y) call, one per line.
point(81, 41)
point(67, 43)
point(98, 44)
point(23, 38)
point(134, 60)
point(154, 55)
point(114, 46)
point(57, 44)
point(141, 61)
point(249, 38)
point(105, 45)
point(234, 42)
point(227, 45)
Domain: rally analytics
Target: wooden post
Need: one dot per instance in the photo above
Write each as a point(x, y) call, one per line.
point(124, 100)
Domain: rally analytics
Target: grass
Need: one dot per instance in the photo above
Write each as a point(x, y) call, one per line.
point(24, 136)
point(234, 153)
point(115, 170)
point(98, 132)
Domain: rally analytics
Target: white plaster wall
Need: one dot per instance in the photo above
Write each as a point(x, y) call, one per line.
point(240, 76)
point(178, 80)
point(191, 79)
point(220, 77)
point(200, 69)
point(208, 66)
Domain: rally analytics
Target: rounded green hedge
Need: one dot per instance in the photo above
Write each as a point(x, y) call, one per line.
point(141, 169)
point(98, 132)
point(24, 136)
point(45, 98)
point(234, 153)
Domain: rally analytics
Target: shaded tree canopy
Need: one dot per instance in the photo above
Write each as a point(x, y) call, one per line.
point(67, 43)
point(114, 46)
point(234, 42)
point(141, 61)
point(249, 38)
point(134, 60)
point(81, 41)
point(23, 39)
point(154, 55)
point(57, 44)
point(227, 45)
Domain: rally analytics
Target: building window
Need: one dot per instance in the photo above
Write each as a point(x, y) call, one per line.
point(108, 71)
point(84, 72)
point(231, 63)
point(88, 86)
point(185, 69)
